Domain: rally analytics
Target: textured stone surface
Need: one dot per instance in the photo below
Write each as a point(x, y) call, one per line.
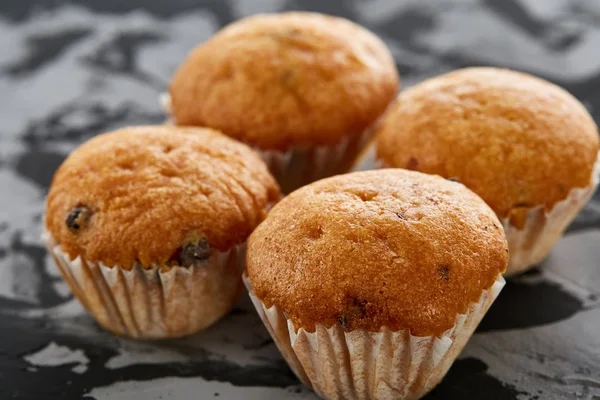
point(72, 69)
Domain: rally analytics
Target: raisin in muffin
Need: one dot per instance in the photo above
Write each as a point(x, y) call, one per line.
point(148, 226)
point(372, 282)
point(526, 146)
point(301, 88)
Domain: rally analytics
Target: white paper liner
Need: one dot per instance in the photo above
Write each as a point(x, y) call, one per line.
point(371, 365)
point(297, 167)
point(530, 245)
point(149, 303)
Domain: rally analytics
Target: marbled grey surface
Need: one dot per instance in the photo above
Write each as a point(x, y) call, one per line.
point(72, 69)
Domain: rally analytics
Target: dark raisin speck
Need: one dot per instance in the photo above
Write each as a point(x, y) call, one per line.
point(194, 253)
point(413, 164)
point(354, 311)
point(444, 272)
point(400, 215)
point(453, 179)
point(78, 218)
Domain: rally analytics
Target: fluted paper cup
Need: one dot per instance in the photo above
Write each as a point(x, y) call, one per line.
point(363, 365)
point(531, 244)
point(157, 302)
point(298, 167)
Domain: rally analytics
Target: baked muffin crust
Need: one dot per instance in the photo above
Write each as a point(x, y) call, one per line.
point(157, 194)
point(391, 248)
point(280, 80)
point(516, 140)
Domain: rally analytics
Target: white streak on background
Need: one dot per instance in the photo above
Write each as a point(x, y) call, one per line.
point(54, 355)
point(194, 388)
point(19, 279)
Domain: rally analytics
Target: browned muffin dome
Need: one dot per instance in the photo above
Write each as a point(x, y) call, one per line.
point(140, 194)
point(516, 140)
point(379, 248)
point(282, 80)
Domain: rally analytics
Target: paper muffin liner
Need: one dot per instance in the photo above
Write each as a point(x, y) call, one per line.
point(530, 245)
point(371, 365)
point(300, 166)
point(297, 167)
point(157, 302)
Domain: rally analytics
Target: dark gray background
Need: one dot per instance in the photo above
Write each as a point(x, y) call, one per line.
point(72, 69)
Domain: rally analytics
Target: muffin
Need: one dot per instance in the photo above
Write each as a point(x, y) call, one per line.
point(371, 283)
point(148, 226)
point(526, 146)
point(302, 88)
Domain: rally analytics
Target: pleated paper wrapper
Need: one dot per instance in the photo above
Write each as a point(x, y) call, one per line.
point(530, 245)
point(157, 302)
point(298, 167)
point(366, 365)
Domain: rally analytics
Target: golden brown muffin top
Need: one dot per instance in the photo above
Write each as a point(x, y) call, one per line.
point(280, 80)
point(514, 139)
point(391, 248)
point(157, 195)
